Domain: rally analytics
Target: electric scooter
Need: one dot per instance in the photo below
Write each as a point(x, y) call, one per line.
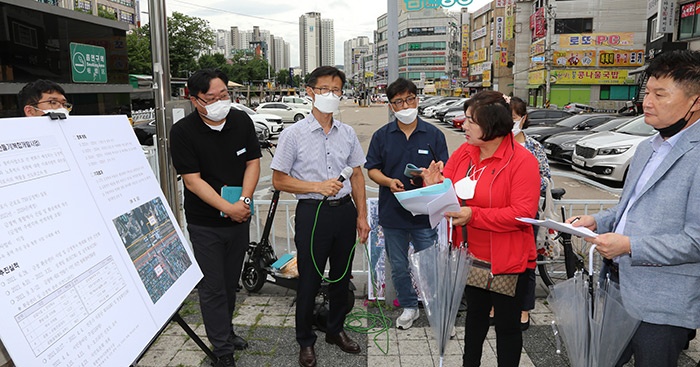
point(260, 256)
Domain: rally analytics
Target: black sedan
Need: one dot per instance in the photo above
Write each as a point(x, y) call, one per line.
point(545, 116)
point(573, 123)
point(560, 147)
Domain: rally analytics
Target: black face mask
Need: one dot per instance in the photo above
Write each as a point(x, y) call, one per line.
point(675, 128)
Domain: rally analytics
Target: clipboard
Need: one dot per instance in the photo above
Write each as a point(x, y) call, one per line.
point(232, 194)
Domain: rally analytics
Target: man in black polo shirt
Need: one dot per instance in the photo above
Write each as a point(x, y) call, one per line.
point(212, 147)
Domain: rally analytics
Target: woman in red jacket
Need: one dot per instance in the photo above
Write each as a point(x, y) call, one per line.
point(507, 186)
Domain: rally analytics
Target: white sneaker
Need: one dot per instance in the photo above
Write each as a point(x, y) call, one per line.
point(407, 318)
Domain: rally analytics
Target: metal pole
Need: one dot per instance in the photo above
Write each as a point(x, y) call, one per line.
point(392, 74)
point(161, 87)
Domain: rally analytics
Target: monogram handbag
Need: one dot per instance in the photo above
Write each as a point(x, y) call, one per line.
point(480, 276)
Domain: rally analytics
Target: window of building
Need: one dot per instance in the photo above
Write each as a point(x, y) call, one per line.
point(573, 25)
point(690, 20)
point(128, 3)
point(618, 92)
point(126, 17)
point(422, 46)
point(421, 61)
point(84, 6)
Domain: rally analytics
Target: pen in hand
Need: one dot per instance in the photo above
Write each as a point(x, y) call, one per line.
point(574, 220)
point(432, 152)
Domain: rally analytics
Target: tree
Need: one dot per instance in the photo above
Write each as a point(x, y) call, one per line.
point(187, 38)
point(283, 77)
point(138, 46)
point(216, 61)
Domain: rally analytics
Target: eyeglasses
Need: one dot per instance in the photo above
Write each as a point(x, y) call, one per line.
point(400, 102)
point(56, 104)
point(327, 91)
point(222, 97)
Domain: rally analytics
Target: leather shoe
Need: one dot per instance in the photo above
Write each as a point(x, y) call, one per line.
point(342, 340)
point(238, 342)
point(307, 357)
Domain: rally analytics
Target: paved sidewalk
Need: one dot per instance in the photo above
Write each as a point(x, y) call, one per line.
point(266, 320)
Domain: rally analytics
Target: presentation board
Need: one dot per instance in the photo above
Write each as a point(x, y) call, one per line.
point(92, 260)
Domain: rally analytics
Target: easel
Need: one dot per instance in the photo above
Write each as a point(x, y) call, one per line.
point(180, 321)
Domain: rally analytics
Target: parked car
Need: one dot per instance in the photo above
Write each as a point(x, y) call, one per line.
point(422, 105)
point(283, 110)
point(440, 112)
point(578, 108)
point(451, 114)
point(559, 147)
point(272, 122)
point(301, 103)
point(607, 154)
point(144, 131)
point(458, 121)
point(262, 132)
point(571, 123)
point(542, 116)
point(430, 111)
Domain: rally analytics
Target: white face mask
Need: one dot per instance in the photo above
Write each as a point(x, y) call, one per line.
point(406, 116)
point(218, 110)
point(465, 187)
point(516, 126)
point(327, 104)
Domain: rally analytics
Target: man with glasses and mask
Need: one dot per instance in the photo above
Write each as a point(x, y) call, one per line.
point(650, 239)
point(41, 97)
point(212, 147)
point(310, 157)
point(394, 147)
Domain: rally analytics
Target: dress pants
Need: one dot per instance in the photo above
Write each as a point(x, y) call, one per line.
point(220, 252)
point(334, 238)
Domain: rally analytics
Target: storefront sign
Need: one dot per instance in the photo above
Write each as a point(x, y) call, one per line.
point(414, 5)
point(477, 56)
point(537, 48)
point(481, 32)
point(574, 58)
point(596, 39)
point(618, 58)
point(666, 16)
point(596, 76)
point(510, 19)
point(486, 78)
point(499, 32)
point(535, 77)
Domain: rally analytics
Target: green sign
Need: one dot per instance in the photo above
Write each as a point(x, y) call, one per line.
point(88, 63)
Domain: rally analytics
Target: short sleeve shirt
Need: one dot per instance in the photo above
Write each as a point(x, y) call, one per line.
point(389, 151)
point(305, 152)
point(219, 157)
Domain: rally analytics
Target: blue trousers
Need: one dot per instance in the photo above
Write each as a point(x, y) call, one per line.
point(396, 243)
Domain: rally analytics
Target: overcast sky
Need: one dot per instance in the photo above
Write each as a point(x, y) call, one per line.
point(351, 18)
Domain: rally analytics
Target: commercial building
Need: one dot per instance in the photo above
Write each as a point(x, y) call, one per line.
point(584, 52)
point(354, 51)
point(85, 54)
point(428, 45)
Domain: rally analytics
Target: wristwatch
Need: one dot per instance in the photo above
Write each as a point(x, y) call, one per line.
point(245, 200)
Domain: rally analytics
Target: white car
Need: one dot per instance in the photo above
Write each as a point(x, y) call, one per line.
point(283, 110)
point(430, 111)
point(273, 123)
point(607, 154)
point(301, 103)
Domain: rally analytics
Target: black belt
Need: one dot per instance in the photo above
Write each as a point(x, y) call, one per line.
point(337, 202)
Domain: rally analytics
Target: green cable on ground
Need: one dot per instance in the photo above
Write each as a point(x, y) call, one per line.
point(376, 324)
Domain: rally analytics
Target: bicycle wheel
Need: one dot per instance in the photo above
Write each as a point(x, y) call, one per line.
point(553, 270)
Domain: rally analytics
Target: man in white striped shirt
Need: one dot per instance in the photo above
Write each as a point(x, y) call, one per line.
point(309, 159)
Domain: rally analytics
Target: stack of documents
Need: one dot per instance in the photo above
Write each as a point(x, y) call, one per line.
point(432, 200)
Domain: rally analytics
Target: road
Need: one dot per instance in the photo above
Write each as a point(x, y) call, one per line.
point(366, 120)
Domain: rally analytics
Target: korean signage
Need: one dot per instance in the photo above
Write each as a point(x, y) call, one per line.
point(478, 69)
point(537, 24)
point(618, 58)
point(574, 58)
point(510, 19)
point(596, 39)
point(594, 76)
point(465, 36)
point(486, 78)
point(666, 16)
point(537, 48)
point(88, 63)
point(414, 5)
point(477, 56)
point(481, 11)
point(503, 59)
point(652, 7)
point(499, 32)
point(535, 77)
point(481, 32)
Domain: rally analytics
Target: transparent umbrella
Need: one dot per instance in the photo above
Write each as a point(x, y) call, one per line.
point(442, 275)
point(591, 318)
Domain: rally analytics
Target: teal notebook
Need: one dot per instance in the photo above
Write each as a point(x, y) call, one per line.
point(232, 194)
point(282, 261)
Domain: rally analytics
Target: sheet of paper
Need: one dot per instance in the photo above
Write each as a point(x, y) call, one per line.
point(443, 203)
point(561, 227)
point(416, 201)
point(92, 261)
